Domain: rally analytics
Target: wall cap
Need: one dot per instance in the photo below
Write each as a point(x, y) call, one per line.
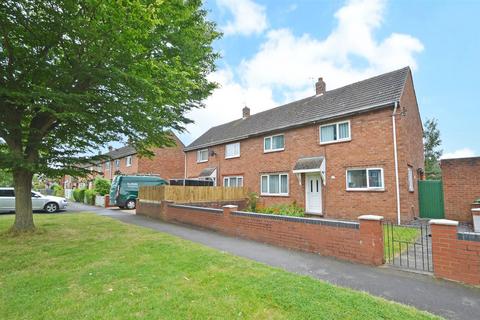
point(476, 210)
point(230, 206)
point(371, 217)
point(443, 222)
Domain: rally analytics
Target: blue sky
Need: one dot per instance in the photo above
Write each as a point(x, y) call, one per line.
point(273, 50)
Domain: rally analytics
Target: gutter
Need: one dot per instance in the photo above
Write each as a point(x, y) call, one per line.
point(395, 153)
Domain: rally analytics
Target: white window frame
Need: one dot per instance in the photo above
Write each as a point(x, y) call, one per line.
point(199, 152)
point(410, 179)
point(128, 161)
point(368, 188)
point(271, 143)
point(117, 163)
point(235, 155)
point(232, 177)
point(337, 125)
point(280, 194)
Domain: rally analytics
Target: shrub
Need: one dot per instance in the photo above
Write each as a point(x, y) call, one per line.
point(90, 196)
point(252, 202)
point(58, 191)
point(79, 195)
point(292, 210)
point(102, 186)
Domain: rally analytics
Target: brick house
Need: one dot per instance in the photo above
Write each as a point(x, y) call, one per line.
point(341, 153)
point(167, 162)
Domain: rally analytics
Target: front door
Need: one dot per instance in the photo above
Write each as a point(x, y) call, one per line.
point(313, 193)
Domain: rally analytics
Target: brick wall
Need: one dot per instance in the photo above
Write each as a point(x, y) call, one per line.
point(370, 146)
point(354, 241)
point(456, 255)
point(461, 186)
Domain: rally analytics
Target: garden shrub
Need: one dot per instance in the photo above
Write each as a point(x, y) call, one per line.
point(79, 195)
point(102, 186)
point(252, 202)
point(58, 191)
point(90, 196)
point(292, 210)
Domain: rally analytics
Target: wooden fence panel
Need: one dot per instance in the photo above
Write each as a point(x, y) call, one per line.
point(189, 194)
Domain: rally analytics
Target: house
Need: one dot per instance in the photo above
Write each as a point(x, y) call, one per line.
point(340, 153)
point(167, 162)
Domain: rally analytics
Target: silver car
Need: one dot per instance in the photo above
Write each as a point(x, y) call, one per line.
point(40, 202)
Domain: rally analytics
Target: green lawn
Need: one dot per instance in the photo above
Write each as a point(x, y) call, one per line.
point(82, 266)
point(399, 233)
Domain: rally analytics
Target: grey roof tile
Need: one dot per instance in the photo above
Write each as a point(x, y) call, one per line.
point(361, 96)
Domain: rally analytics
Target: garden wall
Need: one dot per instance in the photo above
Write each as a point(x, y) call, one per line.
point(360, 242)
point(456, 255)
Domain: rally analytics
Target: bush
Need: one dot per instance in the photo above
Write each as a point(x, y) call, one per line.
point(292, 210)
point(79, 195)
point(90, 196)
point(252, 202)
point(102, 186)
point(58, 191)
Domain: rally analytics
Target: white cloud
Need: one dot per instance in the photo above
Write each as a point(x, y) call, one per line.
point(289, 64)
point(248, 17)
point(460, 153)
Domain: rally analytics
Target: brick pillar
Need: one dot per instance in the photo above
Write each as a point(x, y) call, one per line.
point(371, 238)
point(227, 225)
point(444, 235)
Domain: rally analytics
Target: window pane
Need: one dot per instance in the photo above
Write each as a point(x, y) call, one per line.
point(343, 131)
point(410, 179)
point(328, 133)
point(264, 184)
point(357, 178)
point(274, 184)
point(375, 178)
point(240, 182)
point(233, 182)
point(268, 143)
point(225, 182)
point(284, 183)
point(278, 142)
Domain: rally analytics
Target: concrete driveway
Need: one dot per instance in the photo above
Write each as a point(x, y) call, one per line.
point(444, 298)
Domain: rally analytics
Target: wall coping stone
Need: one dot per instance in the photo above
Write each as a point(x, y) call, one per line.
point(371, 217)
point(476, 211)
point(230, 206)
point(211, 210)
point(443, 222)
point(149, 201)
point(469, 236)
point(326, 222)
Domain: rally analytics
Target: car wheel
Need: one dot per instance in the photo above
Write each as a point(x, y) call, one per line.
point(51, 207)
point(130, 204)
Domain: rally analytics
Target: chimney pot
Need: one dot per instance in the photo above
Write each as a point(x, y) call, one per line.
point(246, 112)
point(320, 86)
point(110, 148)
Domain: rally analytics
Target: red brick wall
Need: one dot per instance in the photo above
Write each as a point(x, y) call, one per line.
point(461, 186)
point(351, 241)
point(371, 146)
point(455, 259)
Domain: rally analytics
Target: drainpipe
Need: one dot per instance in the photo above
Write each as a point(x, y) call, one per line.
point(397, 184)
point(184, 167)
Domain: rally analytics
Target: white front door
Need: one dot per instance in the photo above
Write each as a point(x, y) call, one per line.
point(313, 193)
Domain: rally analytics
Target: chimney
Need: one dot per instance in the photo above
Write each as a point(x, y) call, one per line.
point(320, 86)
point(110, 148)
point(245, 112)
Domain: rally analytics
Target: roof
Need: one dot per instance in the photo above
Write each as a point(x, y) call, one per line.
point(121, 152)
point(377, 92)
point(312, 163)
point(207, 172)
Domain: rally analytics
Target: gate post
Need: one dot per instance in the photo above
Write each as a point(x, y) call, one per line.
point(371, 239)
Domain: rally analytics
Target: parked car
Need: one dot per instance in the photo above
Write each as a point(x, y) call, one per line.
point(124, 189)
point(40, 202)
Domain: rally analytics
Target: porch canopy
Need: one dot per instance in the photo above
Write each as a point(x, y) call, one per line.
point(207, 172)
point(310, 165)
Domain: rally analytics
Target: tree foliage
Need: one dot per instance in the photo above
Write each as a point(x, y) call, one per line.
point(6, 179)
point(76, 74)
point(432, 143)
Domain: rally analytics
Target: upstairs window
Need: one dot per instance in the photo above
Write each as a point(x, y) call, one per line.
point(202, 155)
point(335, 132)
point(107, 165)
point(365, 179)
point(232, 150)
point(274, 143)
point(411, 187)
point(117, 163)
point(233, 181)
point(128, 161)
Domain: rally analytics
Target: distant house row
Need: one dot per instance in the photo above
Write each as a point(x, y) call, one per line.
point(341, 153)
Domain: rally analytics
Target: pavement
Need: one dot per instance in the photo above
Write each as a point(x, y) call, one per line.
point(444, 298)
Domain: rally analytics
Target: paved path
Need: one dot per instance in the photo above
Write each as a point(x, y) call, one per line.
point(448, 299)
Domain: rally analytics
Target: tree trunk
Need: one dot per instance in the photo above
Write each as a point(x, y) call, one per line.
point(22, 180)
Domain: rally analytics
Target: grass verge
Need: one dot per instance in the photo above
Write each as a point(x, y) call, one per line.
point(393, 248)
point(83, 266)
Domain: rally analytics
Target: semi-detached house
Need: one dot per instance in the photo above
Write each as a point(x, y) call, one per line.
point(340, 153)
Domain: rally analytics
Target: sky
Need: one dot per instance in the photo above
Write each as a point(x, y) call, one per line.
point(273, 51)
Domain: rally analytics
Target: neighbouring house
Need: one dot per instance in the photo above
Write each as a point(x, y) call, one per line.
point(167, 162)
point(340, 153)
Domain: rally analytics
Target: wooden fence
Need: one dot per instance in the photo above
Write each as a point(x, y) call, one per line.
point(190, 194)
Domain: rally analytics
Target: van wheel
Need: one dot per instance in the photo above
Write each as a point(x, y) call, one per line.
point(51, 207)
point(130, 204)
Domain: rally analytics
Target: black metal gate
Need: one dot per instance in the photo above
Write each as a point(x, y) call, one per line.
point(408, 247)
